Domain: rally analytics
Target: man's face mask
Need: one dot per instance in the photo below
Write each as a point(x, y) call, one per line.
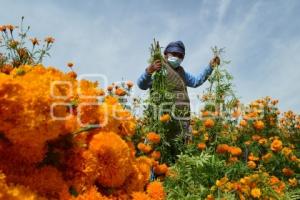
point(174, 61)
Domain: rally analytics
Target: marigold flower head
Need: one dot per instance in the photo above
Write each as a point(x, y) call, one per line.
point(114, 159)
point(259, 125)
point(201, 146)
point(243, 123)
point(120, 91)
point(10, 27)
point(287, 171)
point(156, 191)
point(140, 196)
point(222, 181)
point(208, 123)
point(49, 40)
point(263, 141)
point(153, 137)
point(129, 84)
point(233, 159)
point(110, 88)
point(252, 157)
point(267, 157)
point(273, 180)
point(286, 151)
point(2, 28)
point(72, 74)
point(144, 147)
point(91, 194)
point(256, 137)
point(210, 197)
point(70, 64)
point(276, 145)
point(165, 118)
point(161, 169)
point(235, 151)
point(34, 41)
point(293, 182)
point(155, 155)
point(251, 164)
point(222, 148)
point(255, 192)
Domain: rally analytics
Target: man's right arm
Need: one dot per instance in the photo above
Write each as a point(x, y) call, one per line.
point(144, 81)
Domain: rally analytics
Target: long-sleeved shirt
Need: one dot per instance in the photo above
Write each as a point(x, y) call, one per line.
point(145, 80)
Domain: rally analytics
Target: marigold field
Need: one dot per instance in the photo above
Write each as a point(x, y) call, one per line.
point(67, 138)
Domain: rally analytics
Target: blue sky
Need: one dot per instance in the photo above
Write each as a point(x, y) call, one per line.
point(112, 37)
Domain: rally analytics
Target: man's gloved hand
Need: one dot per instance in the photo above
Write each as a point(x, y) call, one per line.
point(154, 67)
point(215, 61)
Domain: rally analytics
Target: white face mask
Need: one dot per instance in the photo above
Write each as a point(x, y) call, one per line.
point(174, 61)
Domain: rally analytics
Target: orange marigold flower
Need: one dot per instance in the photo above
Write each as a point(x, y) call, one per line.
point(247, 142)
point(91, 194)
point(233, 159)
point(49, 40)
point(251, 164)
point(111, 100)
point(120, 92)
point(236, 113)
point(3, 28)
point(205, 113)
point(165, 118)
point(276, 145)
point(153, 137)
point(10, 27)
point(72, 74)
point(155, 155)
point(294, 158)
point(110, 88)
point(70, 64)
point(243, 123)
point(235, 151)
point(222, 181)
point(259, 125)
point(208, 123)
point(210, 197)
point(267, 157)
point(129, 84)
point(6, 68)
point(114, 159)
point(262, 141)
point(256, 137)
point(156, 191)
point(34, 41)
point(140, 196)
point(252, 157)
point(144, 147)
point(222, 148)
point(293, 182)
point(255, 192)
point(201, 146)
point(161, 169)
point(287, 171)
point(144, 165)
point(273, 180)
point(286, 151)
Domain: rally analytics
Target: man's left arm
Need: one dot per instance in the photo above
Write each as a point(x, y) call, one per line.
point(195, 81)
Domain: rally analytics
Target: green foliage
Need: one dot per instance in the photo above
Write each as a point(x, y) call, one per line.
point(193, 176)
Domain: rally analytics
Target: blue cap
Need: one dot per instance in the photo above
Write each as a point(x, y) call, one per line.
point(177, 47)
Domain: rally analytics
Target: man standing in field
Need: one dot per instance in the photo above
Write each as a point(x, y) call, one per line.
point(174, 54)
